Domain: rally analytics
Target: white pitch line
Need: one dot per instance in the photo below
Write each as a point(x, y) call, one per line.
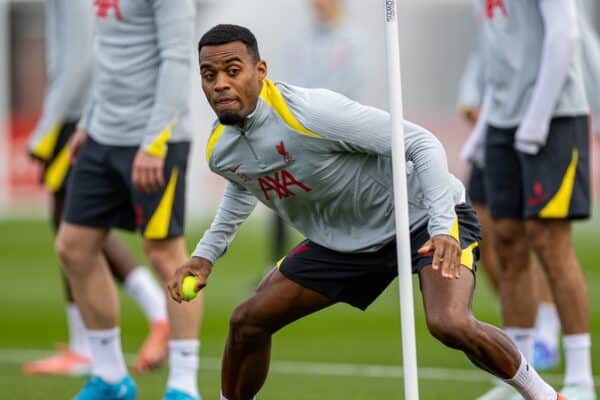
point(19, 356)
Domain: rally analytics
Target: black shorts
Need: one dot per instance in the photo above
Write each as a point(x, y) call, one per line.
point(101, 194)
point(553, 184)
point(476, 186)
point(359, 278)
point(57, 167)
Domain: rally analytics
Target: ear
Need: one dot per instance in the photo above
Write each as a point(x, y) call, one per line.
point(261, 69)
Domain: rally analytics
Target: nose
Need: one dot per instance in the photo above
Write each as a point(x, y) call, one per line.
point(222, 82)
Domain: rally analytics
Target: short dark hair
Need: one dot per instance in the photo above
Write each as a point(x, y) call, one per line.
point(226, 33)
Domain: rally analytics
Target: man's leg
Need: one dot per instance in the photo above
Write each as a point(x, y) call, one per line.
point(79, 249)
point(277, 302)
point(489, 259)
point(449, 319)
point(547, 326)
point(518, 294)
point(184, 319)
point(73, 360)
point(150, 297)
point(551, 240)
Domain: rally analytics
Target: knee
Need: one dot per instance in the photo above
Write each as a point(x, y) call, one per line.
point(244, 328)
point(451, 328)
point(507, 233)
point(541, 239)
point(69, 254)
point(165, 255)
point(159, 258)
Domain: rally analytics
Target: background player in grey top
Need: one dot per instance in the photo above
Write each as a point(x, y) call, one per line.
point(537, 168)
point(131, 160)
point(470, 99)
point(323, 162)
point(69, 35)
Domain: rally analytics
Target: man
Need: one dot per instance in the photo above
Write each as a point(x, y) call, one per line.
point(471, 94)
point(323, 163)
point(537, 167)
point(131, 159)
point(69, 59)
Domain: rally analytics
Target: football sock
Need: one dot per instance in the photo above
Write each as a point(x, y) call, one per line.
point(578, 365)
point(523, 339)
point(183, 364)
point(147, 293)
point(78, 341)
point(530, 384)
point(547, 325)
point(107, 357)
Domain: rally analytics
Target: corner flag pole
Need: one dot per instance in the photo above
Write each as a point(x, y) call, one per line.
point(407, 316)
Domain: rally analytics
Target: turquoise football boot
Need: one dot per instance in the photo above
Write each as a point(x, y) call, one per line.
point(175, 394)
point(97, 389)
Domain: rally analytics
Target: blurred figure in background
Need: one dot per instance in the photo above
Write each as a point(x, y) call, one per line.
point(69, 31)
point(131, 152)
point(534, 129)
point(329, 54)
point(471, 95)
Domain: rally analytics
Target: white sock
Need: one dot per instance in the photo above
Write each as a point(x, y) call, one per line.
point(107, 357)
point(530, 384)
point(78, 341)
point(183, 365)
point(523, 339)
point(578, 364)
point(147, 293)
point(547, 325)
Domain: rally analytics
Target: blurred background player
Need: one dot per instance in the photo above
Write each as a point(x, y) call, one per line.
point(130, 156)
point(471, 94)
point(537, 169)
point(327, 54)
point(69, 31)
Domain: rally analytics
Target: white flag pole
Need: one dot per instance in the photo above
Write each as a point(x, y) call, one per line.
point(407, 316)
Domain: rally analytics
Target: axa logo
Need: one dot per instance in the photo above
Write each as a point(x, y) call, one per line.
point(104, 6)
point(492, 5)
point(280, 184)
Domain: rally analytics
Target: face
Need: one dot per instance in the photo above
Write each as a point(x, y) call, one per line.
point(326, 10)
point(231, 80)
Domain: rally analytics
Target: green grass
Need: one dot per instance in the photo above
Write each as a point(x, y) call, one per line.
point(32, 317)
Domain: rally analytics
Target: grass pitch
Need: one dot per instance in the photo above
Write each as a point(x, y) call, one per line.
point(340, 353)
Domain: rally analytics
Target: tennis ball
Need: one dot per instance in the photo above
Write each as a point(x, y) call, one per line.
point(188, 288)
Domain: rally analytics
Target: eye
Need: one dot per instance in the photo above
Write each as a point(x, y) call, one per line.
point(233, 71)
point(208, 75)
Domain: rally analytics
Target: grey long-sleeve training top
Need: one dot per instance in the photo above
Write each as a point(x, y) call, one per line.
point(142, 66)
point(323, 163)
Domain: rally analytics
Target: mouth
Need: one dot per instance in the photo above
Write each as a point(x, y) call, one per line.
point(225, 102)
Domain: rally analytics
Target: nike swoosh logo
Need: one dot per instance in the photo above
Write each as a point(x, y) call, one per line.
point(122, 391)
point(107, 341)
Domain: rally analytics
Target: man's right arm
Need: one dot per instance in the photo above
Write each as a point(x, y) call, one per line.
point(237, 204)
point(69, 85)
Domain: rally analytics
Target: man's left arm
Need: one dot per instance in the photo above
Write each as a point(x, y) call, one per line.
point(558, 53)
point(353, 127)
point(174, 22)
